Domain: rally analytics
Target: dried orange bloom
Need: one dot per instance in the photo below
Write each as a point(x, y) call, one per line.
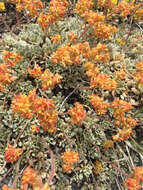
point(138, 171)
point(5, 187)
point(99, 105)
point(123, 134)
point(22, 105)
point(11, 58)
point(77, 113)
point(83, 6)
point(49, 80)
point(56, 38)
point(132, 184)
point(30, 177)
point(12, 154)
point(108, 144)
point(36, 72)
point(98, 168)
point(69, 158)
point(35, 128)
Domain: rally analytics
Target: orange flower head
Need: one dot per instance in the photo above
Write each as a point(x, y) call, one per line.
point(77, 113)
point(5, 187)
point(123, 134)
point(139, 173)
point(30, 177)
point(70, 158)
point(98, 168)
point(35, 128)
point(99, 105)
point(108, 144)
point(132, 184)
point(12, 154)
point(11, 58)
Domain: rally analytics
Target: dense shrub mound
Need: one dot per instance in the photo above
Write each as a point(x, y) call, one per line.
point(71, 86)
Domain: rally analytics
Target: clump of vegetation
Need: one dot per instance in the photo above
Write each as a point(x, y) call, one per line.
point(71, 95)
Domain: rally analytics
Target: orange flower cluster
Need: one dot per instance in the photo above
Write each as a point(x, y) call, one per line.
point(124, 8)
point(103, 30)
point(120, 74)
point(103, 81)
point(69, 54)
point(120, 107)
point(57, 10)
point(83, 6)
point(138, 76)
point(99, 80)
point(69, 158)
point(21, 104)
point(35, 106)
point(95, 20)
point(12, 154)
point(10, 60)
point(132, 184)
point(99, 104)
point(137, 179)
point(98, 168)
point(139, 12)
point(77, 113)
point(5, 76)
point(49, 80)
point(107, 4)
point(56, 38)
point(5, 187)
point(72, 37)
point(32, 6)
point(66, 55)
point(35, 128)
point(31, 177)
point(108, 144)
point(91, 70)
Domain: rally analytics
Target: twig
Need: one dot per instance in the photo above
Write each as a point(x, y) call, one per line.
point(21, 132)
point(52, 173)
point(67, 98)
point(6, 175)
point(17, 173)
